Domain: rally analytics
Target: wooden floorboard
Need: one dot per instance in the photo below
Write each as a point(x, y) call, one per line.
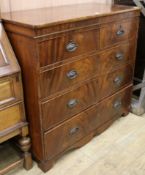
point(120, 150)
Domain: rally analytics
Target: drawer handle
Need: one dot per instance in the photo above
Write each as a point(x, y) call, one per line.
point(71, 47)
point(120, 32)
point(72, 103)
point(118, 80)
point(74, 130)
point(72, 74)
point(119, 56)
point(117, 104)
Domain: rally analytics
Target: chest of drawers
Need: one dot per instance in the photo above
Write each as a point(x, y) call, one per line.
point(77, 63)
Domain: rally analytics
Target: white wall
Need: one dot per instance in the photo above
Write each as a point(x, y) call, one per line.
point(13, 5)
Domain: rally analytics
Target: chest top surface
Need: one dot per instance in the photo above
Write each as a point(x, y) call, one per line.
point(63, 14)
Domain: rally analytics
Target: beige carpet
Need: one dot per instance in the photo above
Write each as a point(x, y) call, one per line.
point(120, 150)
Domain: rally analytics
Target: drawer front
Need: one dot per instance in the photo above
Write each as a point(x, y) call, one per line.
point(120, 31)
point(116, 80)
point(11, 116)
point(117, 56)
point(65, 106)
point(65, 76)
point(10, 89)
point(67, 46)
point(60, 138)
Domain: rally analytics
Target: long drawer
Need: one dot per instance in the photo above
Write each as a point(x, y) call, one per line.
point(60, 138)
point(58, 79)
point(65, 106)
point(68, 45)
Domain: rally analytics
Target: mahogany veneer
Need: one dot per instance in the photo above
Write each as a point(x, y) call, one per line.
point(77, 63)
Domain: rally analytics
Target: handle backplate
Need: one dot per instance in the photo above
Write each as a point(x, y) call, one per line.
point(74, 130)
point(119, 56)
point(72, 103)
point(71, 46)
point(120, 31)
point(117, 104)
point(118, 80)
point(72, 74)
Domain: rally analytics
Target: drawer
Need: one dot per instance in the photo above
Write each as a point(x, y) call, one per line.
point(58, 79)
point(68, 45)
point(115, 80)
point(68, 133)
point(65, 106)
point(11, 116)
point(117, 32)
point(10, 89)
point(65, 76)
point(117, 56)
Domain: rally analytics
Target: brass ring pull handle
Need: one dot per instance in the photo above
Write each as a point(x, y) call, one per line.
point(71, 47)
point(72, 103)
point(72, 74)
point(74, 130)
point(118, 80)
point(117, 104)
point(120, 32)
point(120, 56)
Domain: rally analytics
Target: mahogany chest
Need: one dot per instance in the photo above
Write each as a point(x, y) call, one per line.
point(77, 63)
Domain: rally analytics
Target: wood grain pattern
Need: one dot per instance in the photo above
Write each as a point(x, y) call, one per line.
point(60, 138)
point(8, 63)
point(11, 94)
point(6, 92)
point(10, 117)
point(3, 61)
point(10, 89)
point(45, 32)
point(116, 80)
point(94, 90)
point(12, 113)
point(56, 80)
point(55, 49)
point(29, 63)
point(56, 15)
point(99, 64)
point(20, 129)
point(111, 35)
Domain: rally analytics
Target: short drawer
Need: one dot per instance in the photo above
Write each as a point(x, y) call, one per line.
point(117, 56)
point(115, 80)
point(11, 116)
point(58, 79)
point(118, 31)
point(68, 133)
point(10, 89)
point(65, 106)
point(68, 45)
